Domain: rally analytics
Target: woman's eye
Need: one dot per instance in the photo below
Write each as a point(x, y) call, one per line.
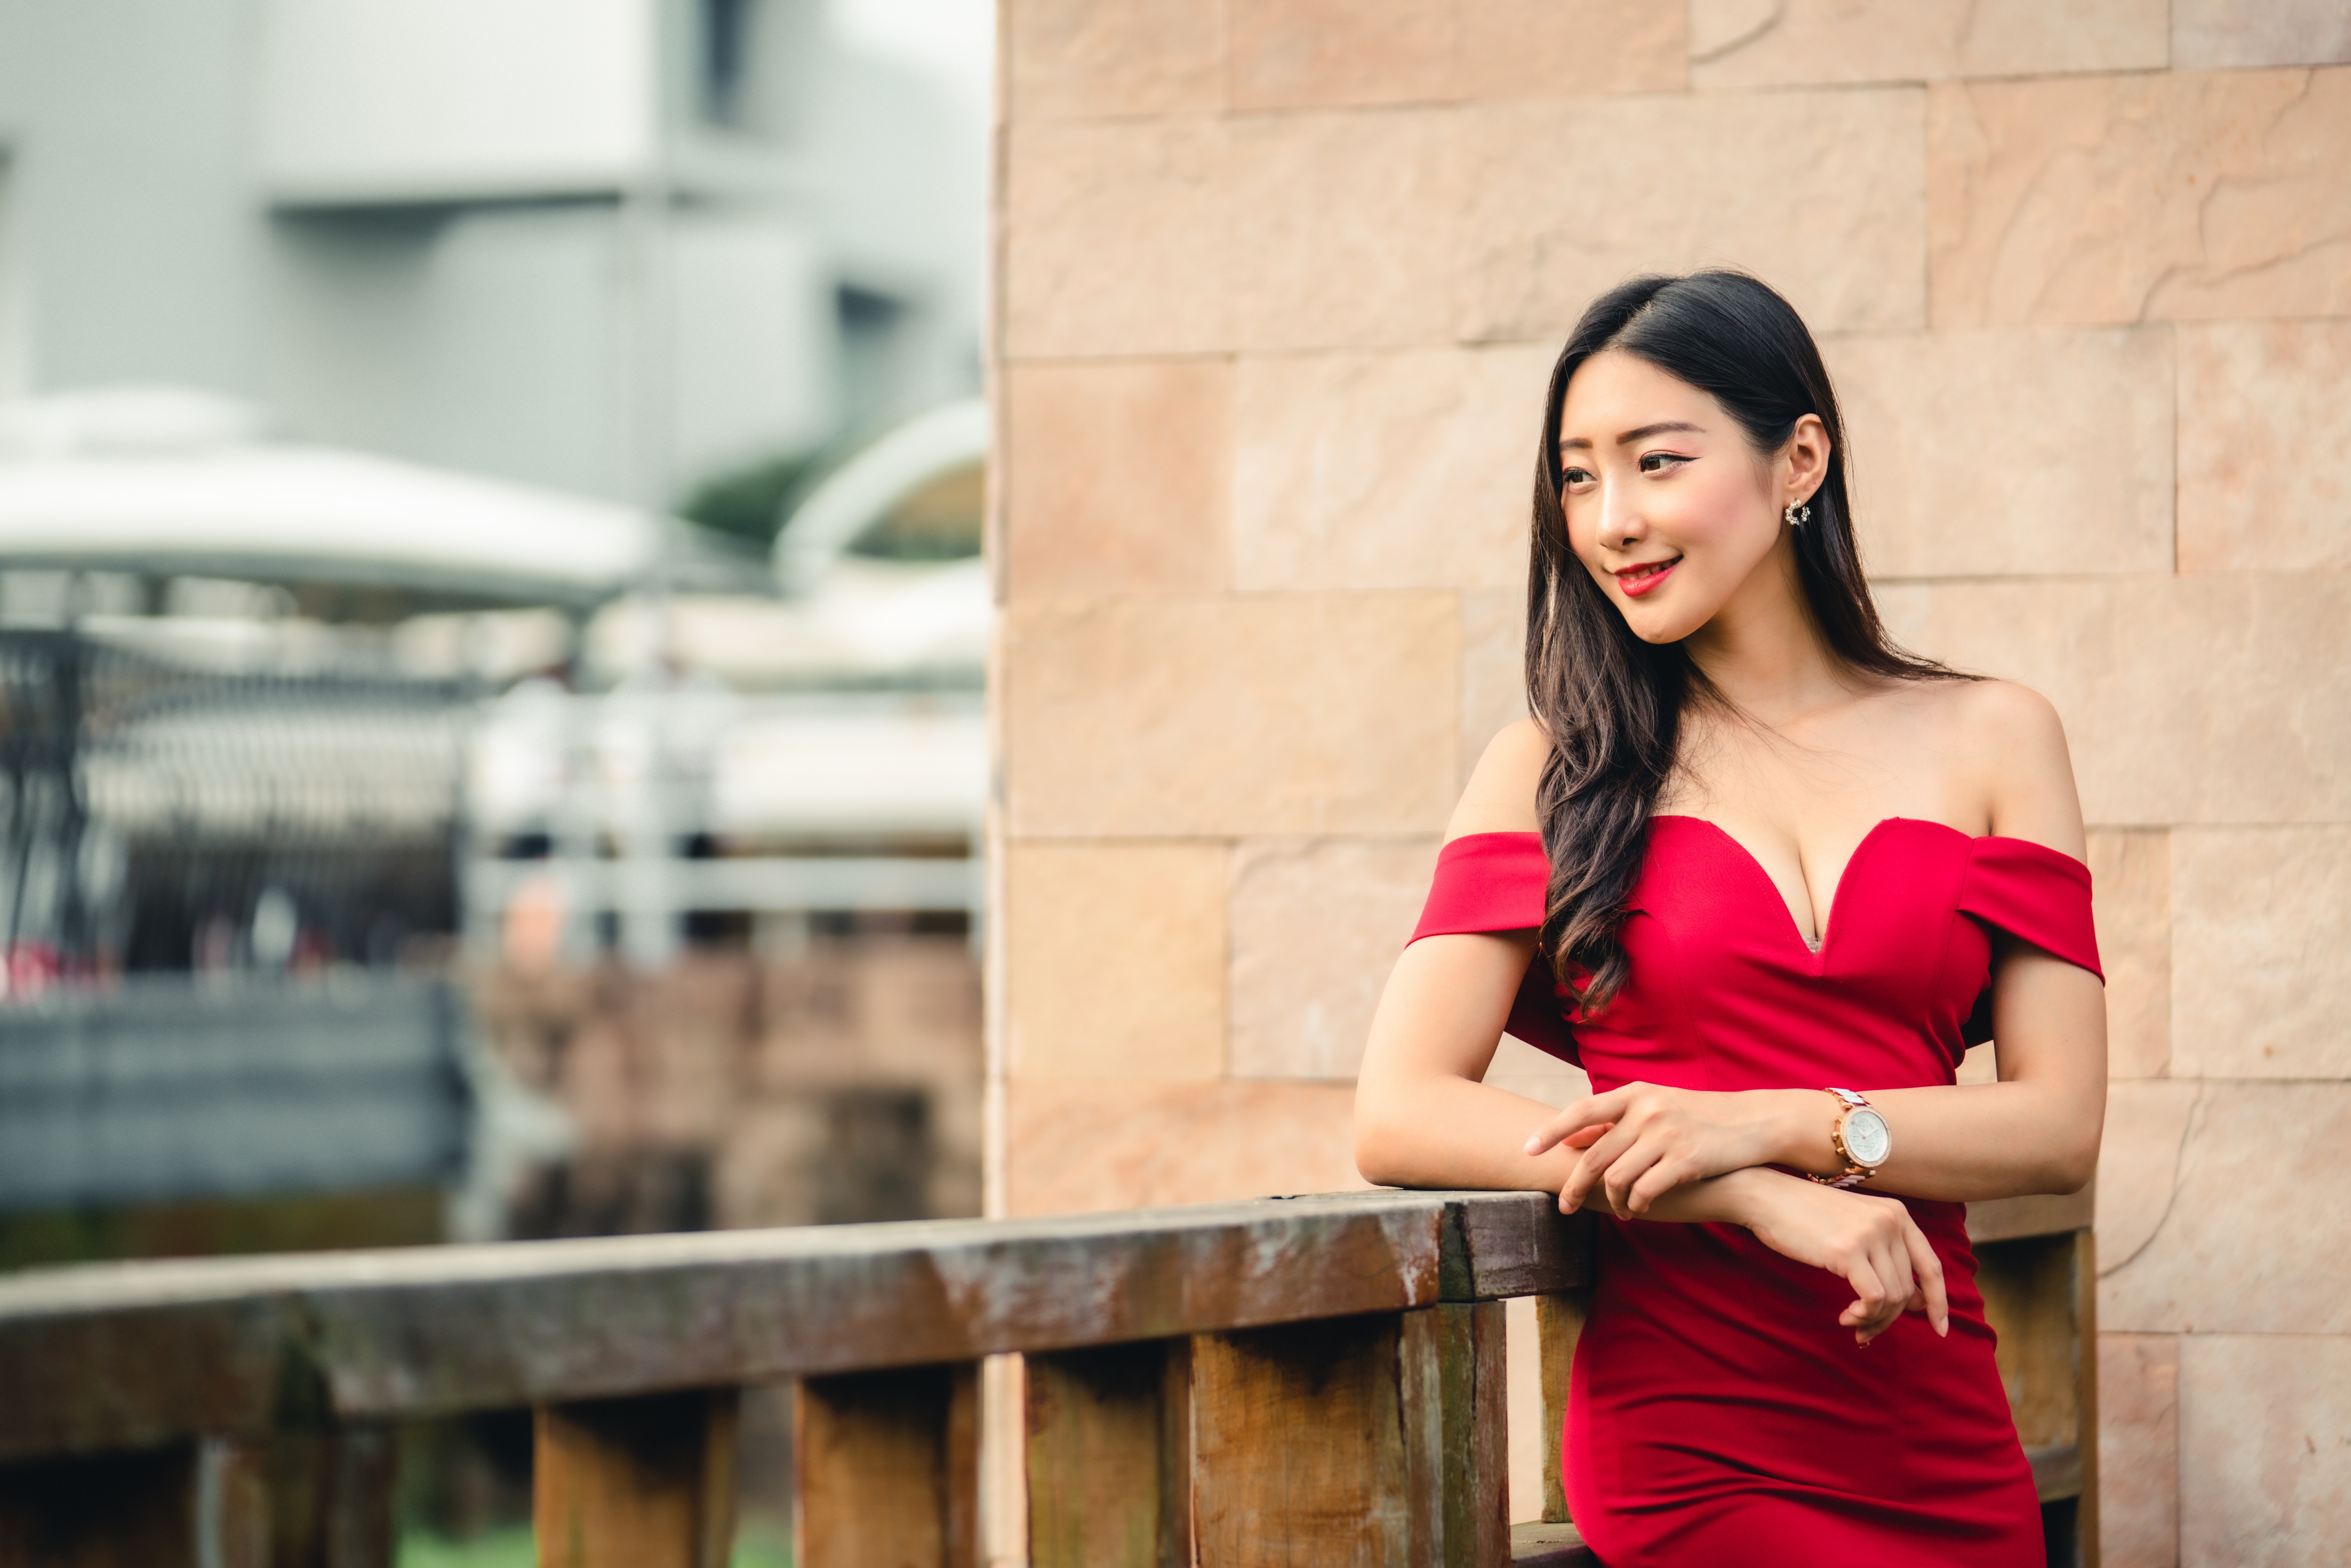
point(1570, 477)
point(1655, 462)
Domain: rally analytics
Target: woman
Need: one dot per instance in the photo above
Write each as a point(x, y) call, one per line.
point(1766, 877)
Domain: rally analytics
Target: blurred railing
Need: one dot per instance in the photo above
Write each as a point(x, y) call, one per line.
point(1308, 1379)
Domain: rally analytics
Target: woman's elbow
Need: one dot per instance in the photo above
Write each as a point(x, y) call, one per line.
point(2070, 1168)
point(1382, 1140)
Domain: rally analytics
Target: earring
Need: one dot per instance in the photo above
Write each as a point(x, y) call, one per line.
point(1797, 516)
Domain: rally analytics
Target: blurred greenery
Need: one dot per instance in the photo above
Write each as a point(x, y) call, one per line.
point(748, 502)
point(512, 1548)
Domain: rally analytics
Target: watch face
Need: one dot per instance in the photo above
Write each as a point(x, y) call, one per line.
point(1866, 1137)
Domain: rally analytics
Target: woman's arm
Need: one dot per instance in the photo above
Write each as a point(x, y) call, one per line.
point(2036, 1130)
point(1425, 1118)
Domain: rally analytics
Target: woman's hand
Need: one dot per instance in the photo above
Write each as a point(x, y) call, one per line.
point(1870, 1242)
point(1641, 1141)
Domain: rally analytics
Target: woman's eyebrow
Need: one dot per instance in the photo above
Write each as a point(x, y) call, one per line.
point(1647, 430)
point(1577, 443)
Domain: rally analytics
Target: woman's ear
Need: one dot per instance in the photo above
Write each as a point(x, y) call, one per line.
point(1805, 459)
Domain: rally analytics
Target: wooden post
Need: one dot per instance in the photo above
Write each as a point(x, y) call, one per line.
point(646, 1482)
point(888, 1469)
point(1559, 1325)
point(2041, 1298)
point(131, 1510)
point(2086, 1366)
point(305, 1499)
point(1110, 1457)
point(1458, 1439)
point(1381, 1440)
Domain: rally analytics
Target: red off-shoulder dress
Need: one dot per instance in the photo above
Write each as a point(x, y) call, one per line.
point(1719, 1415)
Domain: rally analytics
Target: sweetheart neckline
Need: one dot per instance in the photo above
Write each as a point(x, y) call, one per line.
point(1816, 951)
point(1836, 895)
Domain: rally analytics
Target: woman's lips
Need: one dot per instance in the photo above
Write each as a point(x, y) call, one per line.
point(1637, 580)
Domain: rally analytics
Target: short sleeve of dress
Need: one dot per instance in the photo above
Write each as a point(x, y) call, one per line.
point(1496, 881)
point(2035, 894)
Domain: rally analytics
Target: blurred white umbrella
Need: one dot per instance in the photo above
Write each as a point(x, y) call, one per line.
point(161, 482)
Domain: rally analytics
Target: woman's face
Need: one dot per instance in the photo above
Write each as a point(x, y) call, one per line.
point(1668, 507)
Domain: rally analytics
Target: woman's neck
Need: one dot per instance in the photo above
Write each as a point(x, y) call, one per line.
point(1763, 652)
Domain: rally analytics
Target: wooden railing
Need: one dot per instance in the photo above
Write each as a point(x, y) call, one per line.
point(1286, 1380)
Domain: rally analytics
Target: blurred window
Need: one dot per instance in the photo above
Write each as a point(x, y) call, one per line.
point(873, 348)
point(725, 58)
point(15, 346)
point(938, 521)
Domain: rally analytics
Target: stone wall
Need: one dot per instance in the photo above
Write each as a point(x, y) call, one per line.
point(1280, 281)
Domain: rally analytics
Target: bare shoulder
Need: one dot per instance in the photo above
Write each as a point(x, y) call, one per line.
point(1500, 795)
point(2013, 745)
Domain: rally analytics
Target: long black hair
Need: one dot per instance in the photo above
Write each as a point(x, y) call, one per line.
point(1611, 703)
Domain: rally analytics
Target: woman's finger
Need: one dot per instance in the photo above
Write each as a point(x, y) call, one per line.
point(1587, 1111)
point(1927, 1265)
point(1893, 1268)
point(1603, 1152)
point(1655, 1182)
point(1627, 1170)
point(1869, 1294)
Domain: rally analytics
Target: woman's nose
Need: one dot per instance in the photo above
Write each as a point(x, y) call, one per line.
point(1621, 523)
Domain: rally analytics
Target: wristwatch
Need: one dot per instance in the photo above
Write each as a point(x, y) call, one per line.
point(1861, 1138)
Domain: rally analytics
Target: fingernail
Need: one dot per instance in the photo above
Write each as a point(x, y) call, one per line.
point(1534, 1145)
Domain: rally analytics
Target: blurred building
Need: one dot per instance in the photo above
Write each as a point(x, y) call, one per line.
point(611, 247)
point(381, 764)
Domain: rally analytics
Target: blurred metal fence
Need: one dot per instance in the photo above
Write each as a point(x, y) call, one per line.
point(211, 870)
point(164, 815)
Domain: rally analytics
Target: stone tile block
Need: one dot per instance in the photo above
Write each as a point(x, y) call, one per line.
point(1114, 960)
point(1106, 59)
point(1493, 667)
point(2138, 1450)
point(1308, 54)
point(1820, 193)
point(1341, 229)
point(1116, 241)
point(2211, 35)
point(2265, 912)
point(2130, 883)
point(1558, 48)
point(2264, 1449)
point(2172, 688)
point(1119, 478)
point(2265, 447)
point(1537, 1074)
point(2138, 1163)
point(1315, 927)
point(1793, 43)
point(1290, 714)
point(2125, 198)
point(2259, 1222)
point(1083, 1147)
point(1386, 470)
point(1956, 475)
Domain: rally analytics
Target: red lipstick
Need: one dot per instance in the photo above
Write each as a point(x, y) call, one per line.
point(1637, 580)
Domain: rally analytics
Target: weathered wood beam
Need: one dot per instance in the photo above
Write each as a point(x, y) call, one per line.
point(126, 1355)
point(888, 1469)
point(1109, 1456)
point(636, 1483)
